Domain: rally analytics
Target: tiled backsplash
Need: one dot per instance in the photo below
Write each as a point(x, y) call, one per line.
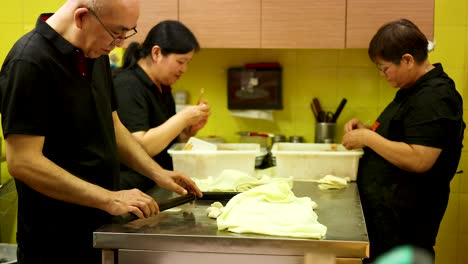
point(329, 75)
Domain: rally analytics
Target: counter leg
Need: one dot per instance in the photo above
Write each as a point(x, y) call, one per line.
point(109, 256)
point(319, 258)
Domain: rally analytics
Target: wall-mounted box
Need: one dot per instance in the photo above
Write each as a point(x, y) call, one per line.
point(255, 88)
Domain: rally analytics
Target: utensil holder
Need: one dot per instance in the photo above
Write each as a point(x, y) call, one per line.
point(325, 132)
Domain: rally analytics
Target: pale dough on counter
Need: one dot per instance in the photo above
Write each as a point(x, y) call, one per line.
point(233, 181)
point(333, 182)
point(215, 210)
point(272, 209)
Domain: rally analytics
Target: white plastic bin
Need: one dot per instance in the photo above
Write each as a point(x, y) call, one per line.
point(8, 253)
point(312, 161)
point(204, 163)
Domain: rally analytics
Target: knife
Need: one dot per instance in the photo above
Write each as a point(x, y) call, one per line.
point(174, 202)
point(164, 205)
point(339, 109)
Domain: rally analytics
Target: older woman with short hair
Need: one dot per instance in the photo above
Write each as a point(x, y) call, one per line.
point(412, 150)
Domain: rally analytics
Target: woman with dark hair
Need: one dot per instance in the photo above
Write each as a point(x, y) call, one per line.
point(412, 150)
point(145, 102)
point(129, 57)
point(127, 60)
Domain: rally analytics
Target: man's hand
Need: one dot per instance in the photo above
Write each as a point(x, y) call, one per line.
point(131, 201)
point(178, 183)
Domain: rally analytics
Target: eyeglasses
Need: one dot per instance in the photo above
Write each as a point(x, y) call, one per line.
point(383, 68)
point(115, 40)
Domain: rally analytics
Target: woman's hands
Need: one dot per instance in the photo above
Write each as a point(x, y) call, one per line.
point(194, 114)
point(354, 124)
point(196, 117)
point(355, 134)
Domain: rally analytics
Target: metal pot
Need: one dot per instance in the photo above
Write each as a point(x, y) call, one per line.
point(278, 138)
point(296, 139)
point(254, 137)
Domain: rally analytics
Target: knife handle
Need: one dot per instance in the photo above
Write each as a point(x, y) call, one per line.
point(316, 103)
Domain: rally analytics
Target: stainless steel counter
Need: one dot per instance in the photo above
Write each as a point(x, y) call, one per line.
point(171, 237)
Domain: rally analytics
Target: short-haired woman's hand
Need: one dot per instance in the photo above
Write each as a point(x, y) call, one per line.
point(353, 124)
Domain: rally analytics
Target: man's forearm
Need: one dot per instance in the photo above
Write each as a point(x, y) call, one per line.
point(132, 154)
point(27, 164)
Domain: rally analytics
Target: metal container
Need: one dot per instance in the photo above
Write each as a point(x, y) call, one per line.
point(254, 137)
point(325, 132)
point(278, 138)
point(296, 139)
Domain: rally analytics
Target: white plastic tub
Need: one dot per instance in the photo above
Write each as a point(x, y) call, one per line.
point(204, 163)
point(8, 253)
point(312, 161)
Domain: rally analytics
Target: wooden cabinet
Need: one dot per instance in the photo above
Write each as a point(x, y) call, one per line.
point(364, 18)
point(266, 23)
point(323, 24)
point(223, 23)
point(303, 24)
point(152, 12)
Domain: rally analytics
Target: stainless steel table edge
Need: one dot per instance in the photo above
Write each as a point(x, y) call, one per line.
point(232, 245)
point(193, 231)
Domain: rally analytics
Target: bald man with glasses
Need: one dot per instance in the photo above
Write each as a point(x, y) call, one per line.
point(119, 39)
point(64, 139)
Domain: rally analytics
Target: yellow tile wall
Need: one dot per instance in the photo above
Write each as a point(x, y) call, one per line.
point(327, 74)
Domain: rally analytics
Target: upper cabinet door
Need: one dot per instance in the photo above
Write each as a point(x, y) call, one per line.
point(223, 23)
point(303, 24)
point(151, 13)
point(365, 17)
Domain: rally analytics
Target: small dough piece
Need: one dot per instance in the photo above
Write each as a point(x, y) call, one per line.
point(332, 182)
point(215, 210)
point(217, 204)
point(174, 210)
